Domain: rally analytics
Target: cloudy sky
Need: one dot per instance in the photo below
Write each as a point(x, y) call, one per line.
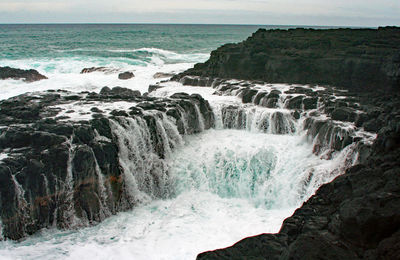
point(282, 12)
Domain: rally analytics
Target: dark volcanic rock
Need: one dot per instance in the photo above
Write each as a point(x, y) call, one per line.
point(119, 92)
point(356, 59)
point(68, 173)
point(310, 103)
point(26, 75)
point(159, 75)
point(344, 114)
point(126, 75)
point(99, 69)
point(153, 88)
point(295, 103)
point(196, 81)
point(356, 216)
point(248, 94)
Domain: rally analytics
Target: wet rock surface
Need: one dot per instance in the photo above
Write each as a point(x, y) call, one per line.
point(160, 75)
point(355, 59)
point(119, 92)
point(106, 70)
point(356, 216)
point(62, 164)
point(62, 167)
point(126, 75)
point(26, 75)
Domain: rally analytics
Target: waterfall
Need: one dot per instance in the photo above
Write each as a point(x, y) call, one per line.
point(102, 190)
point(270, 153)
point(141, 153)
point(46, 184)
point(135, 156)
point(67, 207)
point(258, 119)
point(22, 204)
point(171, 132)
point(200, 118)
point(1, 231)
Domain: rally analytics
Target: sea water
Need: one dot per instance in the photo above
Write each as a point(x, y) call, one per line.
point(61, 51)
point(225, 184)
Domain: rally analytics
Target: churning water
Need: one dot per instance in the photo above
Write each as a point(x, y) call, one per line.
point(219, 186)
point(226, 185)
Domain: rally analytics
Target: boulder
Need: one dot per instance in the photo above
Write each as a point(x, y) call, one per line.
point(160, 75)
point(106, 70)
point(344, 114)
point(27, 75)
point(119, 92)
point(126, 75)
point(153, 88)
point(248, 94)
point(295, 102)
point(310, 103)
point(259, 97)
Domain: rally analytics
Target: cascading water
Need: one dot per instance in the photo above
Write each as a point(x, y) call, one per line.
point(68, 209)
point(242, 185)
point(270, 171)
point(103, 194)
point(199, 192)
point(143, 170)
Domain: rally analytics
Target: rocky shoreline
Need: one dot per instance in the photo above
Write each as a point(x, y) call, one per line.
point(358, 59)
point(26, 75)
point(62, 164)
point(67, 159)
point(357, 216)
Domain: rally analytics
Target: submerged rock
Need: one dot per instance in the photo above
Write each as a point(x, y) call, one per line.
point(153, 88)
point(26, 75)
point(160, 75)
point(106, 70)
point(126, 75)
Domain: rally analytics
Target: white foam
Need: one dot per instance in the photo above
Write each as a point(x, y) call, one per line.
point(170, 88)
point(198, 217)
point(77, 111)
point(64, 73)
point(3, 156)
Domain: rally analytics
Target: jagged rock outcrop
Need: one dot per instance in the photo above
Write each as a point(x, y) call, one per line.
point(356, 59)
point(69, 160)
point(26, 75)
point(354, 217)
point(119, 92)
point(357, 215)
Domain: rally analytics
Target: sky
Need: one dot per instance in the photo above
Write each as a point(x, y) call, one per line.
point(275, 12)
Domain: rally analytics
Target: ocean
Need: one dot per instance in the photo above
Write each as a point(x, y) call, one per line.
point(61, 51)
point(229, 184)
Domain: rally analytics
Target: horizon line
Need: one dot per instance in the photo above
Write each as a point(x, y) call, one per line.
point(210, 24)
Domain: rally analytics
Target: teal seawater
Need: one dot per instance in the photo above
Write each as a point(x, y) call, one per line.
point(61, 51)
point(19, 41)
point(113, 40)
